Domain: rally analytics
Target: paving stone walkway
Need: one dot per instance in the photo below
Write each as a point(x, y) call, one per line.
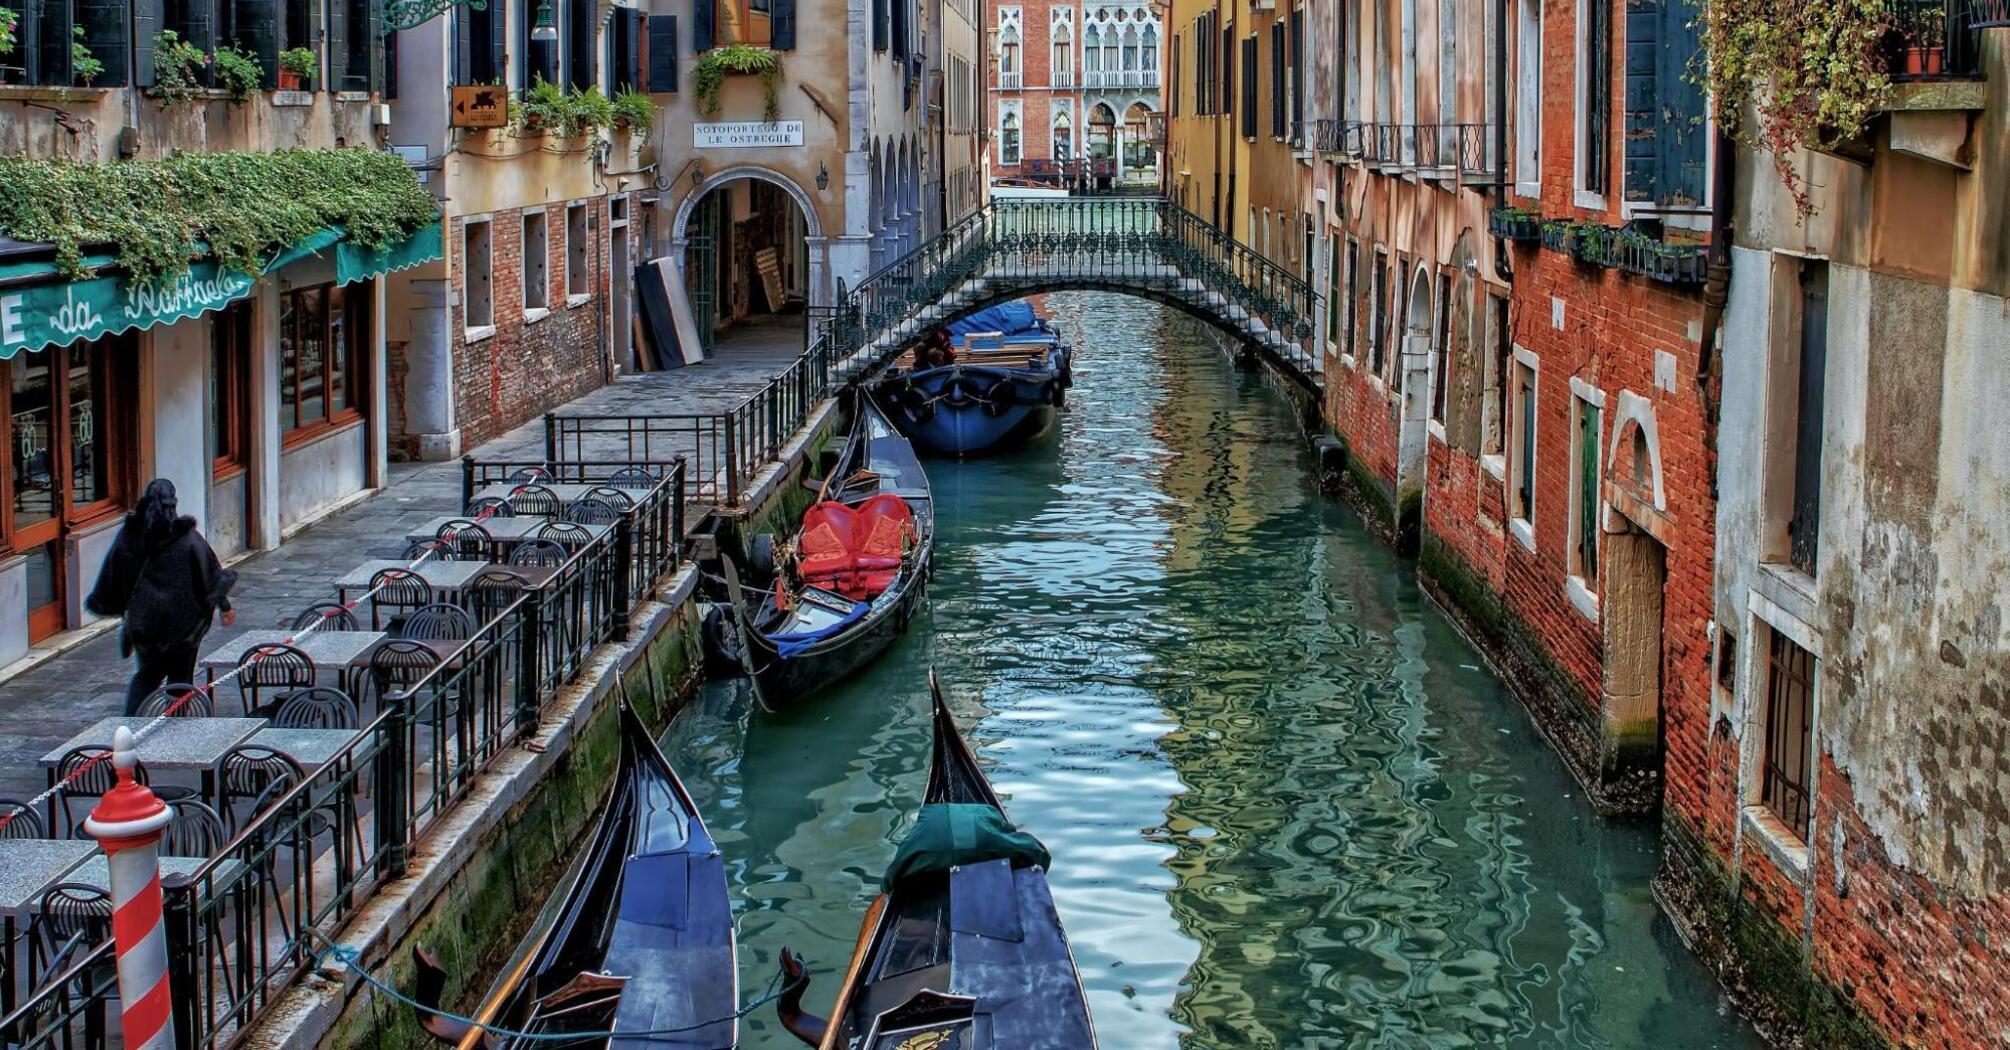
point(47, 704)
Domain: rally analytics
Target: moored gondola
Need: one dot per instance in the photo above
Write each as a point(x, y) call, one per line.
point(641, 945)
point(963, 949)
point(847, 583)
point(990, 382)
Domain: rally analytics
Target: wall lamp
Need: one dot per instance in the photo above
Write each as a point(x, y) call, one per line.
point(823, 177)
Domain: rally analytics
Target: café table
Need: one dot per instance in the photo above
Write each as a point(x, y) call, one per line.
point(447, 578)
point(504, 531)
point(565, 491)
point(335, 653)
point(312, 748)
point(175, 743)
point(27, 868)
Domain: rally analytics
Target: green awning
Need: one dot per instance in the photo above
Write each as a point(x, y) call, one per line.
point(58, 313)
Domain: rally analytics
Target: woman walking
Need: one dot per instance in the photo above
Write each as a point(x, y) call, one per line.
point(163, 578)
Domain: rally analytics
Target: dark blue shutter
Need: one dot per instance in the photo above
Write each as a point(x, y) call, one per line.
point(1298, 65)
point(498, 43)
point(782, 25)
point(375, 46)
point(879, 25)
point(582, 43)
point(1685, 126)
point(1643, 119)
point(104, 23)
point(701, 26)
point(257, 25)
point(663, 53)
point(390, 66)
point(147, 18)
point(339, 28)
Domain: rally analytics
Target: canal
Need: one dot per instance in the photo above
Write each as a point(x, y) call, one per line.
point(1287, 806)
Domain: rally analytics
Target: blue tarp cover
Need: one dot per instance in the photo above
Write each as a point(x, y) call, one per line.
point(794, 643)
point(1010, 318)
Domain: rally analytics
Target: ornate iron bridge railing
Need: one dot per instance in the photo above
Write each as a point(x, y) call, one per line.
point(1004, 251)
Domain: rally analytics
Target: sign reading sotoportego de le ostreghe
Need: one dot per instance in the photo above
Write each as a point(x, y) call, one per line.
point(741, 134)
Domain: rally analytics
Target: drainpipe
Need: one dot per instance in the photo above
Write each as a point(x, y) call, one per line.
point(1503, 261)
point(1716, 291)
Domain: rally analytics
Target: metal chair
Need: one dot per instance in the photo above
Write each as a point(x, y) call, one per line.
point(468, 540)
point(18, 820)
point(91, 766)
point(247, 771)
point(400, 664)
point(536, 500)
point(565, 532)
point(338, 616)
point(526, 475)
point(539, 552)
point(396, 591)
point(490, 507)
point(267, 673)
point(590, 510)
point(491, 591)
point(195, 831)
point(73, 918)
point(438, 622)
point(177, 700)
point(634, 478)
point(321, 707)
point(621, 500)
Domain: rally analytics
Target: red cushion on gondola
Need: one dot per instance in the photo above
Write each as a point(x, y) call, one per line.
point(855, 552)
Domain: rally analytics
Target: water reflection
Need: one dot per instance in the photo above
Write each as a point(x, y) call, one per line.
point(1286, 807)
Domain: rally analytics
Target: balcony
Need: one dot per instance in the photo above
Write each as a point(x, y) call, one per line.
point(1012, 81)
point(1123, 79)
point(1461, 151)
point(1062, 80)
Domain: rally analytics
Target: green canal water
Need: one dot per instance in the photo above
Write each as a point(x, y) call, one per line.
point(1287, 806)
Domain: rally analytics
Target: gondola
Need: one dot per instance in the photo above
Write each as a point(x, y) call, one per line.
point(997, 390)
point(963, 950)
point(642, 943)
point(847, 583)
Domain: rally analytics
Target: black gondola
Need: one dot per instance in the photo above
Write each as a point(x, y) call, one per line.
point(852, 575)
point(643, 942)
point(963, 950)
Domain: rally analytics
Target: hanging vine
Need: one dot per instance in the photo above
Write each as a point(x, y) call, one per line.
point(243, 205)
point(713, 67)
point(1811, 73)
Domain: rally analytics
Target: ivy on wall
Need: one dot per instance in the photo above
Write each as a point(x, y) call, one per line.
point(1810, 71)
point(714, 66)
point(243, 205)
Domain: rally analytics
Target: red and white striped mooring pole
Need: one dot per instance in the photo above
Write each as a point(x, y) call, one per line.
point(127, 824)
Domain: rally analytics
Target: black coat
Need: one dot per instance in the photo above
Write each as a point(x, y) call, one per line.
point(167, 590)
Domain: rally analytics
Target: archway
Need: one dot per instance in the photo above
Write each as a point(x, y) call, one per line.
point(1137, 144)
point(1061, 135)
point(752, 252)
point(1102, 154)
point(1413, 387)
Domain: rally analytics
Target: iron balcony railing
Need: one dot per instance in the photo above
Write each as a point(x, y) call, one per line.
point(1938, 39)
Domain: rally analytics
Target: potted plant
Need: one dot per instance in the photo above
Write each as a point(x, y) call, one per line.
point(1556, 235)
point(634, 111)
point(84, 66)
point(297, 67)
point(542, 108)
point(238, 72)
point(714, 66)
point(1591, 244)
point(1521, 225)
point(587, 111)
point(177, 69)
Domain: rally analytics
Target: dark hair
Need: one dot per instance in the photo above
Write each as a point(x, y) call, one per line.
point(157, 510)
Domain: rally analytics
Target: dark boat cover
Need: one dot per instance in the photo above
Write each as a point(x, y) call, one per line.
point(953, 834)
point(1013, 318)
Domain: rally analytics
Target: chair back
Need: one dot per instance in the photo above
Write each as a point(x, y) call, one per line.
point(538, 552)
point(195, 831)
point(634, 478)
point(612, 496)
point(72, 915)
point(524, 475)
point(18, 820)
point(246, 771)
point(468, 540)
point(394, 592)
point(565, 532)
point(590, 510)
point(398, 664)
point(432, 550)
point(492, 590)
point(437, 622)
point(318, 708)
point(490, 507)
point(177, 700)
point(268, 672)
point(337, 615)
point(536, 500)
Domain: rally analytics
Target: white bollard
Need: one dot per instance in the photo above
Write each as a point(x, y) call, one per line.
point(127, 824)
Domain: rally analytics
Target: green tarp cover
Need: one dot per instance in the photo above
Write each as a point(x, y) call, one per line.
point(58, 313)
point(949, 834)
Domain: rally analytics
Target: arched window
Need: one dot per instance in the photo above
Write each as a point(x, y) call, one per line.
point(1102, 131)
point(1063, 137)
point(1130, 49)
point(1063, 54)
point(1009, 145)
point(1008, 50)
point(1092, 48)
point(1151, 55)
point(1137, 150)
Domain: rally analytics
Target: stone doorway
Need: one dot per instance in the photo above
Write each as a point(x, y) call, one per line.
point(1632, 612)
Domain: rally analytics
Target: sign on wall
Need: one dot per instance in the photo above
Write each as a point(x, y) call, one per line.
point(479, 106)
point(743, 134)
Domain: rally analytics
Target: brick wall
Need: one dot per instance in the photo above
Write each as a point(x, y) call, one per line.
point(528, 367)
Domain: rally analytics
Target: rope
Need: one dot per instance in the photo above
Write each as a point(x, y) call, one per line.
point(208, 688)
point(352, 959)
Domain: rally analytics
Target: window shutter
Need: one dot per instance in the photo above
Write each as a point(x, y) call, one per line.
point(582, 31)
point(339, 28)
point(701, 26)
point(782, 25)
point(879, 25)
point(147, 22)
point(1277, 80)
point(104, 23)
point(1298, 65)
point(257, 24)
point(663, 53)
point(390, 80)
point(1643, 118)
point(1681, 104)
point(498, 42)
point(1249, 88)
point(1227, 71)
point(463, 30)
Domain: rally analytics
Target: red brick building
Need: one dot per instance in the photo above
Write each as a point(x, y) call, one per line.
point(1074, 87)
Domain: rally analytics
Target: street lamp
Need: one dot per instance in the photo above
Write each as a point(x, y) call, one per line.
point(545, 31)
point(823, 177)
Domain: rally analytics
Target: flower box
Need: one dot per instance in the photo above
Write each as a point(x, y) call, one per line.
point(1591, 244)
point(1515, 224)
point(1556, 236)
